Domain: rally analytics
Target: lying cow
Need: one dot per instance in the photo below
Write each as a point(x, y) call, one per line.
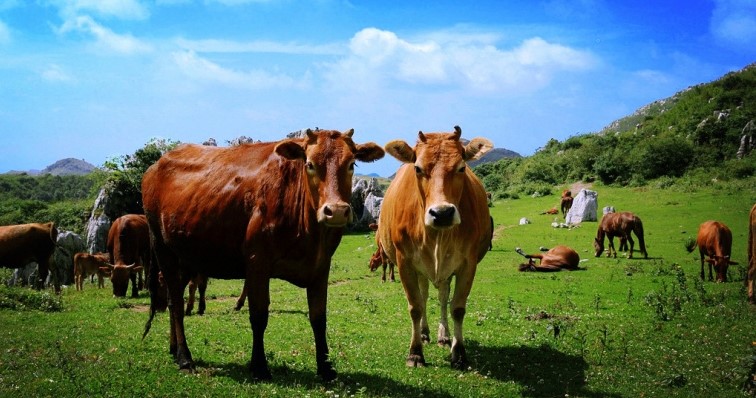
point(715, 242)
point(559, 258)
point(86, 264)
point(26, 243)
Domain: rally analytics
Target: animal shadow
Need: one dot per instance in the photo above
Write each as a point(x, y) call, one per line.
point(540, 371)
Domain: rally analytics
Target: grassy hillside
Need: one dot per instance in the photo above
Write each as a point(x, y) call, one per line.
point(622, 328)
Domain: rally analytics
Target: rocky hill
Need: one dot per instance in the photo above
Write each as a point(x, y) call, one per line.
point(63, 167)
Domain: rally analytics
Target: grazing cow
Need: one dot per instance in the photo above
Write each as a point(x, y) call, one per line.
point(129, 248)
point(25, 243)
point(566, 201)
point(620, 225)
point(435, 225)
point(715, 242)
point(86, 264)
point(751, 255)
point(224, 212)
point(559, 258)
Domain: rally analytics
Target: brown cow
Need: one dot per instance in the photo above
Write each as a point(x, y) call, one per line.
point(86, 264)
point(224, 212)
point(25, 243)
point(715, 242)
point(620, 225)
point(129, 248)
point(566, 202)
point(559, 258)
point(751, 255)
point(435, 225)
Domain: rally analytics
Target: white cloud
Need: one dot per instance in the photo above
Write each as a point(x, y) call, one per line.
point(473, 63)
point(105, 38)
point(228, 46)
point(202, 70)
point(733, 22)
point(54, 73)
point(122, 9)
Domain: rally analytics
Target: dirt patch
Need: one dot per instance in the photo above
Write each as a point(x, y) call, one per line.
point(141, 308)
point(576, 187)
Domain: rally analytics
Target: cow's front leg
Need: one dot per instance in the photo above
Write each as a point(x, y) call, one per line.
point(259, 302)
point(424, 328)
point(416, 304)
point(134, 289)
point(317, 297)
point(443, 324)
point(462, 287)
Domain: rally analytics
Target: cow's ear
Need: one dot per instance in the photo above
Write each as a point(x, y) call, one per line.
point(401, 151)
point(369, 152)
point(290, 150)
point(710, 260)
point(105, 269)
point(136, 269)
point(476, 148)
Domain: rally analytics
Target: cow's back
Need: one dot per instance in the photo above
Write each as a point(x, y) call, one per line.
point(201, 199)
point(128, 240)
point(24, 243)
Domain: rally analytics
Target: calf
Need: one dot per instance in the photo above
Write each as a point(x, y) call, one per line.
point(86, 264)
point(715, 242)
point(129, 248)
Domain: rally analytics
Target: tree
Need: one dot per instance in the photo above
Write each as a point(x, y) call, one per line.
point(124, 183)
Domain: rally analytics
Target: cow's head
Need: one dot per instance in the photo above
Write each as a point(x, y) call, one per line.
point(598, 245)
point(440, 162)
point(119, 276)
point(328, 159)
point(720, 264)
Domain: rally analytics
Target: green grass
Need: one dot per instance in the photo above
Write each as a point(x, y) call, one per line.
point(623, 328)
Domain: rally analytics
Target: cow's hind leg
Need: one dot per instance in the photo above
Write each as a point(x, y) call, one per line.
point(316, 300)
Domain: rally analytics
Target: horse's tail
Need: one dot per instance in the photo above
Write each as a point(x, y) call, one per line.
point(638, 229)
point(690, 245)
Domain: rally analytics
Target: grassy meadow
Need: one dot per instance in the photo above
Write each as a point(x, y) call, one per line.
point(622, 328)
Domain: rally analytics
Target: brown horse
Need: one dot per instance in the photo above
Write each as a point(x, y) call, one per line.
point(559, 258)
point(566, 203)
point(620, 225)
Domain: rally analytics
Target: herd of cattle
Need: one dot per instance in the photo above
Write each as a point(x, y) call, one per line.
point(220, 212)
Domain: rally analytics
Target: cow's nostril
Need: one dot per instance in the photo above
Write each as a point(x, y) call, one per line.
point(327, 211)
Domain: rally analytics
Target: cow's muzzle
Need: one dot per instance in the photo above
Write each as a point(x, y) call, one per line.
point(442, 216)
point(337, 214)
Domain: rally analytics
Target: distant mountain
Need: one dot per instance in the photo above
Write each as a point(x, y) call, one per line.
point(494, 155)
point(63, 167)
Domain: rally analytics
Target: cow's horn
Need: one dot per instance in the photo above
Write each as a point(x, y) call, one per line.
point(421, 136)
point(349, 133)
point(457, 132)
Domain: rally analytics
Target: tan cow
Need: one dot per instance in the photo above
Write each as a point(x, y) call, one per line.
point(435, 226)
point(86, 264)
point(25, 243)
point(751, 255)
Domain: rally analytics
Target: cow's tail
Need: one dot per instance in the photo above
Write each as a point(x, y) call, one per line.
point(158, 295)
point(639, 233)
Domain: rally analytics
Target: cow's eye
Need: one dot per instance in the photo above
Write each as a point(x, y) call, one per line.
point(461, 169)
point(310, 168)
point(418, 170)
point(351, 167)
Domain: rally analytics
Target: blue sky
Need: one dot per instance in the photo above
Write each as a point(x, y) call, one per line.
point(95, 79)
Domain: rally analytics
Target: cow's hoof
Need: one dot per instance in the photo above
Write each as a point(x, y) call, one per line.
point(261, 373)
point(458, 358)
point(415, 361)
point(444, 341)
point(425, 337)
point(327, 372)
point(186, 366)
point(188, 313)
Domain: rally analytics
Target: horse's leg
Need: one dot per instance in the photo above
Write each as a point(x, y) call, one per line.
point(611, 247)
point(630, 239)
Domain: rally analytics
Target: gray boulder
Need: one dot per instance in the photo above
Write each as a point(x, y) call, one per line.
point(584, 207)
point(98, 225)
